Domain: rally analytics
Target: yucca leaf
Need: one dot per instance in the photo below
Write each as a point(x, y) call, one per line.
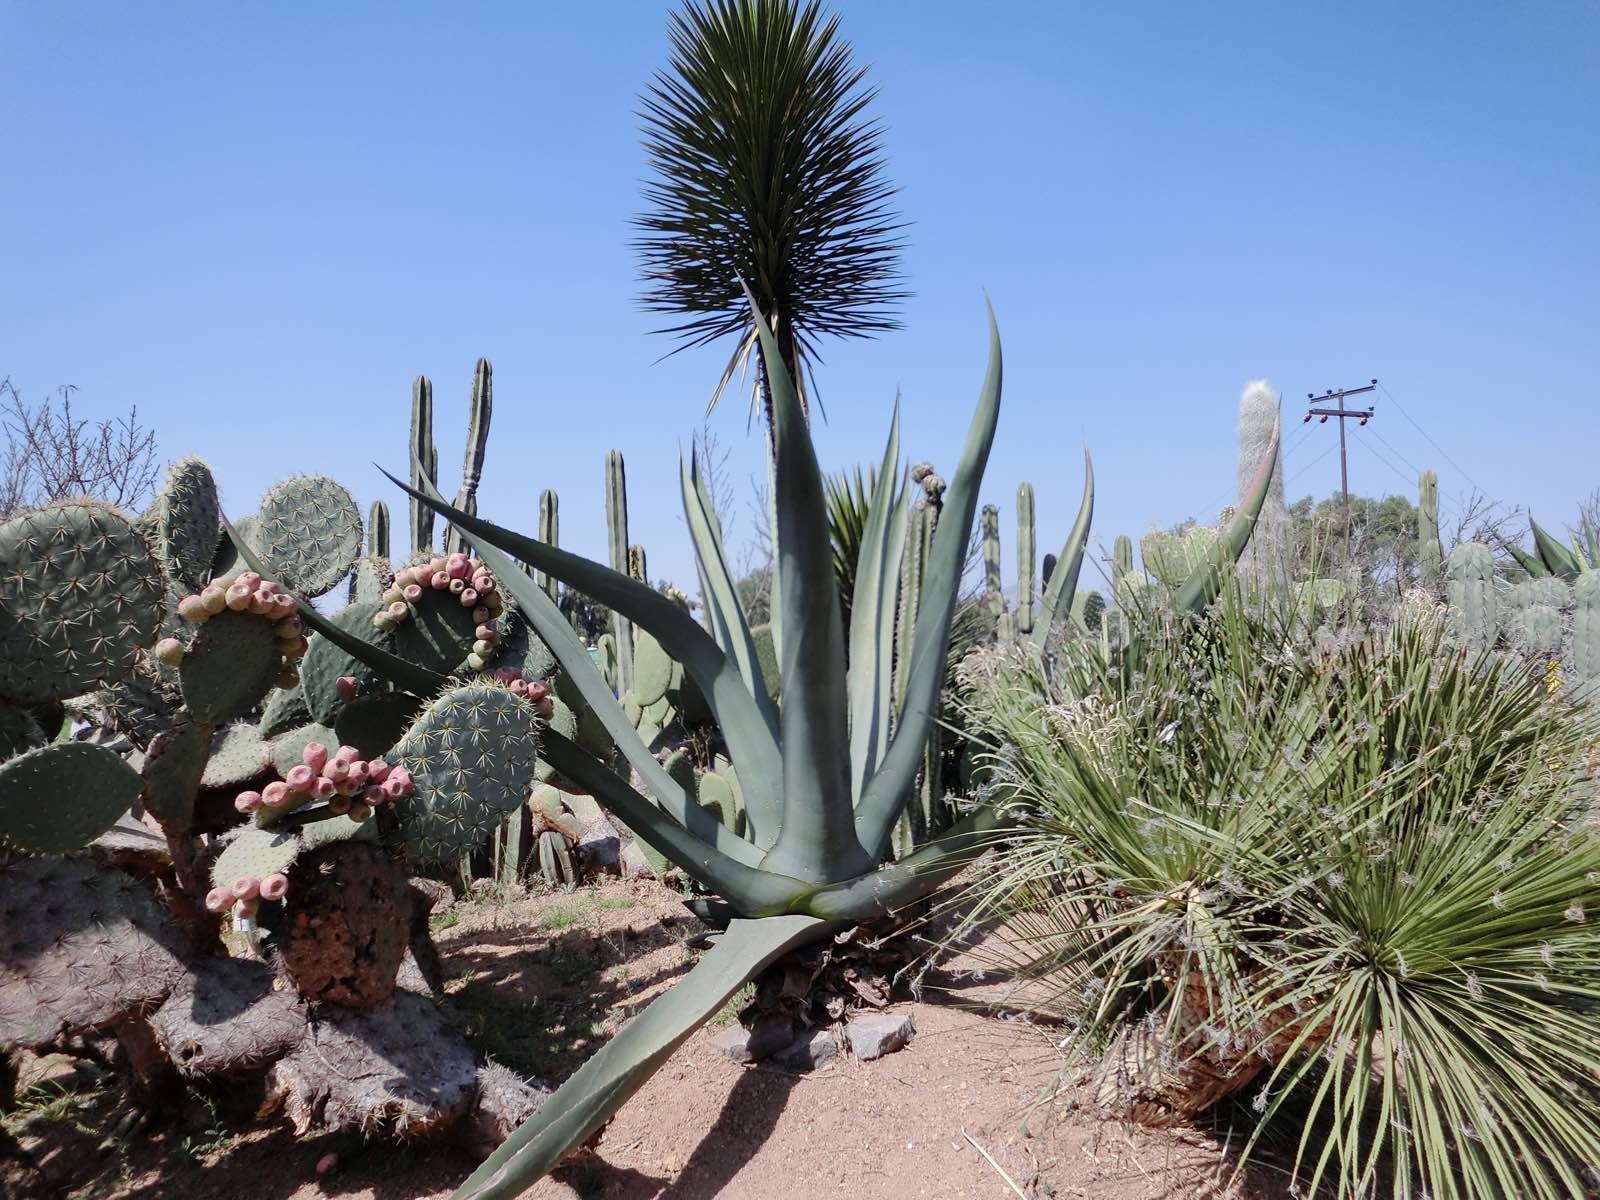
point(1557, 557)
point(1063, 583)
point(886, 793)
point(818, 838)
point(872, 613)
point(548, 621)
point(620, 1068)
point(752, 891)
point(1205, 581)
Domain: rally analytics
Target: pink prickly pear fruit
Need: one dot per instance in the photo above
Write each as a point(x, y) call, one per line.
point(477, 662)
point(404, 576)
point(506, 675)
point(397, 610)
point(250, 579)
point(487, 633)
point(394, 789)
point(286, 607)
point(338, 804)
point(358, 773)
point(219, 899)
point(327, 1164)
point(263, 604)
point(519, 687)
point(393, 594)
point(373, 795)
point(275, 794)
point(482, 649)
point(246, 887)
point(323, 789)
point(436, 564)
point(238, 597)
point(213, 598)
point(378, 769)
point(469, 598)
point(300, 778)
point(480, 614)
point(383, 621)
point(482, 580)
point(168, 651)
point(335, 772)
point(346, 754)
point(345, 685)
point(315, 755)
point(360, 811)
point(247, 802)
point(192, 608)
point(275, 886)
point(458, 566)
point(439, 581)
point(412, 593)
point(457, 586)
point(296, 650)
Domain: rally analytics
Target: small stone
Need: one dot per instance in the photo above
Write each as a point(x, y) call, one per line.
point(809, 1051)
point(732, 1042)
point(876, 1034)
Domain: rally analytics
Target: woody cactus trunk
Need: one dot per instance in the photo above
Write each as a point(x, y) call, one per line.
point(825, 771)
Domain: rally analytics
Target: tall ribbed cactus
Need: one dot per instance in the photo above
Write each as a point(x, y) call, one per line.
point(1025, 558)
point(378, 529)
point(617, 536)
point(1266, 560)
point(638, 565)
point(424, 451)
point(1585, 646)
point(1470, 588)
point(992, 587)
point(479, 412)
point(550, 535)
point(1430, 551)
point(1121, 561)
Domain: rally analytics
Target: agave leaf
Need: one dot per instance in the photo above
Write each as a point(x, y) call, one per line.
point(743, 726)
point(818, 839)
point(492, 543)
point(872, 612)
point(751, 891)
point(419, 681)
point(732, 634)
point(1530, 563)
point(1063, 584)
point(601, 1086)
point(1205, 581)
point(1557, 557)
point(890, 786)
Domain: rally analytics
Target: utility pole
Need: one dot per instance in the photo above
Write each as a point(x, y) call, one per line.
point(1363, 416)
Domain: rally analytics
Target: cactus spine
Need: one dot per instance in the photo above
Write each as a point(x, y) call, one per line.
point(1025, 549)
point(1430, 552)
point(617, 533)
point(427, 454)
point(549, 534)
point(378, 530)
point(479, 412)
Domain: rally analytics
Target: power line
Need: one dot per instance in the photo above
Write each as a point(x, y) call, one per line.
point(1343, 414)
point(1465, 473)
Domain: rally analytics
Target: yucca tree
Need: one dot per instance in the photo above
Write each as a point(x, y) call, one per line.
point(767, 170)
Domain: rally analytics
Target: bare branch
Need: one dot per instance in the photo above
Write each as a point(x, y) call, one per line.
point(52, 454)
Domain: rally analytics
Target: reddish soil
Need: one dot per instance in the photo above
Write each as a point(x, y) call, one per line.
point(539, 982)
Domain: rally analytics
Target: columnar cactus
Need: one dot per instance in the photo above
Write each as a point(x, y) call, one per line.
point(1269, 554)
point(1430, 552)
point(424, 462)
point(550, 535)
point(378, 530)
point(992, 588)
point(617, 536)
point(1025, 558)
point(1472, 595)
point(479, 411)
point(1585, 653)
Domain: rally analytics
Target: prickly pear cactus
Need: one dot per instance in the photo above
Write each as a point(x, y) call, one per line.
point(19, 730)
point(471, 757)
point(1470, 589)
point(82, 595)
point(346, 923)
point(62, 796)
point(309, 531)
point(184, 522)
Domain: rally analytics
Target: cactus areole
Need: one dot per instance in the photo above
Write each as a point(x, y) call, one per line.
point(825, 771)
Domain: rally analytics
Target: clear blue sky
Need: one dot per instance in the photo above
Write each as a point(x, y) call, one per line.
point(258, 222)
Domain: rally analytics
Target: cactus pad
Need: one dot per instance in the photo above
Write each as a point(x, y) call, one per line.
point(81, 945)
point(227, 560)
point(347, 921)
point(719, 797)
point(238, 755)
point(138, 707)
point(522, 650)
point(286, 751)
point(285, 710)
point(438, 634)
point(652, 670)
point(256, 853)
point(63, 796)
point(172, 771)
point(370, 578)
point(325, 664)
point(309, 529)
point(471, 755)
point(227, 1017)
point(184, 522)
point(373, 724)
point(80, 595)
point(230, 666)
point(336, 829)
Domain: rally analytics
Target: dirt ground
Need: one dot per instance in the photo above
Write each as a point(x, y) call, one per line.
point(539, 982)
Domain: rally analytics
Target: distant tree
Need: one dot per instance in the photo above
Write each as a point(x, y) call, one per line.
point(1384, 550)
point(52, 454)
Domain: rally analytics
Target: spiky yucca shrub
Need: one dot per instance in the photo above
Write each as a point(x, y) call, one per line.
point(1359, 885)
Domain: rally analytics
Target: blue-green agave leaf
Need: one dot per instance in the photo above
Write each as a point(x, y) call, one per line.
point(1063, 584)
point(1557, 557)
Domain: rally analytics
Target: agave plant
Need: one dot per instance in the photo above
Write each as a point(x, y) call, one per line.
point(1551, 558)
point(826, 770)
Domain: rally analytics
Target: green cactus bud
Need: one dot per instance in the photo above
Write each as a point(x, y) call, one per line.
point(471, 755)
point(82, 595)
point(309, 530)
